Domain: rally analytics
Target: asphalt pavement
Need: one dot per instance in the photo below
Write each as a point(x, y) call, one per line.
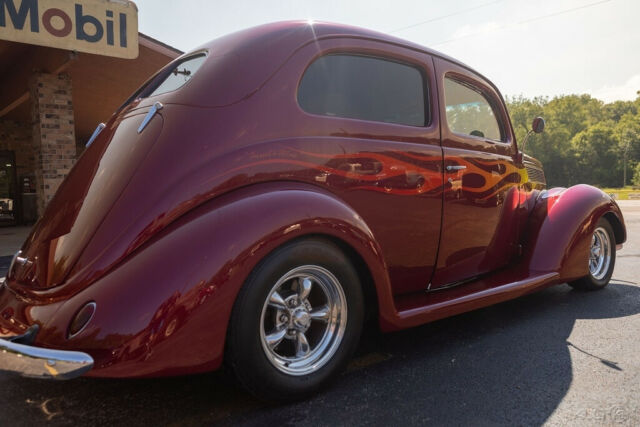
point(557, 357)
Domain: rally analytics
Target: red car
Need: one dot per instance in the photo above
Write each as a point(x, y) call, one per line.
point(260, 196)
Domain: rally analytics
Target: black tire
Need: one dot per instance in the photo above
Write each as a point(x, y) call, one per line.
point(257, 365)
point(599, 278)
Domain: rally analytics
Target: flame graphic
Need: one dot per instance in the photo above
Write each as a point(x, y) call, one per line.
point(406, 173)
point(393, 172)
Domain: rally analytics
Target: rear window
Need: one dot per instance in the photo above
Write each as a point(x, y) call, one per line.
point(170, 78)
point(179, 75)
point(366, 88)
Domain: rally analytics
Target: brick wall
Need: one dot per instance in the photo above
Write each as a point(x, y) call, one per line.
point(53, 133)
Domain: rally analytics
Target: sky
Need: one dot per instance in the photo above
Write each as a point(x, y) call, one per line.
point(529, 48)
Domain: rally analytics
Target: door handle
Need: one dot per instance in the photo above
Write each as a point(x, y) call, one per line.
point(451, 168)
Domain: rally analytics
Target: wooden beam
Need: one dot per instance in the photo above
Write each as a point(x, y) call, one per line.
point(25, 96)
point(6, 110)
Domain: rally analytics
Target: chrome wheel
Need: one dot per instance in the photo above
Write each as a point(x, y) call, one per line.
point(303, 320)
point(600, 254)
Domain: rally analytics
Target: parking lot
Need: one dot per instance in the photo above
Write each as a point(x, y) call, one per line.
point(557, 357)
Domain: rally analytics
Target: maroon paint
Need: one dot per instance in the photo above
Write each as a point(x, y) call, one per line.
point(561, 227)
point(161, 228)
point(467, 250)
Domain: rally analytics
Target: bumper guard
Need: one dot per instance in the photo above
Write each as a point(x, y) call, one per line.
point(38, 362)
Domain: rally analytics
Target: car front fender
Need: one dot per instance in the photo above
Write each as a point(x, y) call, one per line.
point(558, 236)
point(164, 310)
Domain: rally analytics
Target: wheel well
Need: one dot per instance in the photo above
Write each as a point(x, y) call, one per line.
point(366, 279)
point(618, 229)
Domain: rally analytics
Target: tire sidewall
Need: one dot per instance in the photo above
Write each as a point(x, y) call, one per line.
point(612, 241)
point(246, 352)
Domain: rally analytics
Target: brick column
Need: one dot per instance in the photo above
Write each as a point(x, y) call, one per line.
point(53, 134)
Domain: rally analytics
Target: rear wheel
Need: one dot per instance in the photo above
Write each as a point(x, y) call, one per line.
point(296, 321)
point(602, 258)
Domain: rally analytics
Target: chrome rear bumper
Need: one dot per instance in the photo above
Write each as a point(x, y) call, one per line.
point(38, 362)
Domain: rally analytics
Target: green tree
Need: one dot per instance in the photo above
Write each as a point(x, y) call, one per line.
point(628, 134)
point(636, 175)
point(617, 109)
point(597, 150)
point(522, 111)
point(585, 140)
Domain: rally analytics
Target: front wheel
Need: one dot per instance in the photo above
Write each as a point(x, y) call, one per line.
point(602, 259)
point(296, 321)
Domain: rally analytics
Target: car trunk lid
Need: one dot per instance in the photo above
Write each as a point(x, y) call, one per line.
point(84, 198)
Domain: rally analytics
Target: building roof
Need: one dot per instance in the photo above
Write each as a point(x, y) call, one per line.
point(157, 45)
point(99, 83)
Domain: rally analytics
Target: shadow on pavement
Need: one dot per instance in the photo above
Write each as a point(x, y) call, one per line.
point(507, 364)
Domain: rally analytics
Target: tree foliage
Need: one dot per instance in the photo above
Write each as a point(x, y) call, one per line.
point(585, 140)
point(636, 175)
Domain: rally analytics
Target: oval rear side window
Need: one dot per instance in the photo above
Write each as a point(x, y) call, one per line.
point(179, 75)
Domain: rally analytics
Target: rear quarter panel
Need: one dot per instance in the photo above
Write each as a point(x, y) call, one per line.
point(169, 303)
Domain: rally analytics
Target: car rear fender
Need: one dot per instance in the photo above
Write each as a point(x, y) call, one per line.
point(168, 303)
point(558, 236)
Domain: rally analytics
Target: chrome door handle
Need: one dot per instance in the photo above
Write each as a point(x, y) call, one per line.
point(152, 112)
point(455, 168)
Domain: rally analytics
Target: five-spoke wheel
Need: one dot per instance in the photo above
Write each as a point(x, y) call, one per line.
point(602, 257)
point(600, 253)
point(296, 320)
point(303, 320)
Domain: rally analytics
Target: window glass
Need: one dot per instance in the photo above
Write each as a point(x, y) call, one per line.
point(469, 112)
point(363, 87)
point(180, 75)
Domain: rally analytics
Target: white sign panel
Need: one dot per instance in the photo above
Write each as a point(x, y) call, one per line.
point(103, 27)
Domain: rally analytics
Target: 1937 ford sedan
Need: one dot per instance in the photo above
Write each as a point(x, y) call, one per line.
point(260, 196)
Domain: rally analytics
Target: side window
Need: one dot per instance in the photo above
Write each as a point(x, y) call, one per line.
point(179, 75)
point(469, 112)
point(362, 87)
point(168, 79)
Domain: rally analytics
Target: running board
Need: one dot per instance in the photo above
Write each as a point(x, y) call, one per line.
point(416, 309)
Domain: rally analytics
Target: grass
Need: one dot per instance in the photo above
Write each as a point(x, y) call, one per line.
point(622, 193)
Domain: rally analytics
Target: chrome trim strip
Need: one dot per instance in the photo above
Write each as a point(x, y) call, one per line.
point(455, 168)
point(38, 362)
point(95, 134)
point(452, 285)
point(545, 194)
point(157, 106)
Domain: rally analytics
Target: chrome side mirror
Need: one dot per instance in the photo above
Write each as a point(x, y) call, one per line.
point(537, 126)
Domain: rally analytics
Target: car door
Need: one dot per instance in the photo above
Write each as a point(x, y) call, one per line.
point(480, 198)
point(357, 112)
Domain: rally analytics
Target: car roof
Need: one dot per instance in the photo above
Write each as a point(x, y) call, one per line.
point(307, 30)
point(260, 51)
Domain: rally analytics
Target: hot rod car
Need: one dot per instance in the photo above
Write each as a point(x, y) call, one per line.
point(262, 195)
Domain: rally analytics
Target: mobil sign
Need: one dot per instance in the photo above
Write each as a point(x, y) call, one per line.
point(103, 27)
